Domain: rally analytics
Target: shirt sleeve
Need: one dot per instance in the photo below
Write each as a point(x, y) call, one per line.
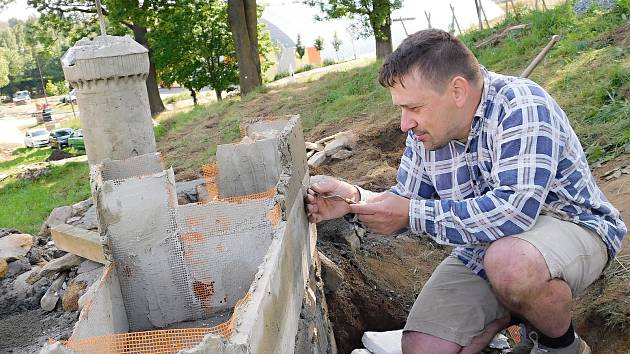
point(412, 181)
point(526, 152)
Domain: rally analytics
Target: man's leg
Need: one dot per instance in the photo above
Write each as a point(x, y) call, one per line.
point(422, 343)
point(456, 312)
point(522, 282)
point(536, 273)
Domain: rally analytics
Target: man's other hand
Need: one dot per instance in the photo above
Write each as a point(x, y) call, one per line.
point(385, 214)
point(319, 209)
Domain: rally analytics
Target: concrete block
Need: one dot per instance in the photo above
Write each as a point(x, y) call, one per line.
point(102, 308)
point(138, 218)
point(81, 242)
point(248, 168)
point(383, 342)
point(135, 166)
point(223, 243)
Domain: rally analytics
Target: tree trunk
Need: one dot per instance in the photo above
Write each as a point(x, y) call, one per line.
point(242, 16)
point(193, 94)
point(155, 101)
point(218, 93)
point(382, 30)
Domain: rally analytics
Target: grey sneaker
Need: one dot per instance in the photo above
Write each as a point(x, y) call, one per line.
point(578, 346)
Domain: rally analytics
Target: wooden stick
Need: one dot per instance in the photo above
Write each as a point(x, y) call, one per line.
point(540, 56)
point(428, 16)
point(479, 14)
point(455, 18)
point(484, 14)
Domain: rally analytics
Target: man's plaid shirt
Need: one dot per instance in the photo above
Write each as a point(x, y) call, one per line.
point(522, 159)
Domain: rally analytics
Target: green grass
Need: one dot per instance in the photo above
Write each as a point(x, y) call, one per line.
point(24, 156)
point(27, 204)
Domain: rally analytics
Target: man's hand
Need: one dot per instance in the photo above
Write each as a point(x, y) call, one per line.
point(320, 209)
point(385, 214)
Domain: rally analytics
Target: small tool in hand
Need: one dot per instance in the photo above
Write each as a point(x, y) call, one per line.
point(335, 196)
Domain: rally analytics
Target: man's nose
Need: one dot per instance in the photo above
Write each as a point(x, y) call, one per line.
point(406, 121)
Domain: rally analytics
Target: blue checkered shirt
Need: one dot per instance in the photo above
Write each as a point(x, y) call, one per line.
point(522, 159)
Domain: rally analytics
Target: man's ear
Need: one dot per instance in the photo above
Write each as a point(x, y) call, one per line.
point(459, 88)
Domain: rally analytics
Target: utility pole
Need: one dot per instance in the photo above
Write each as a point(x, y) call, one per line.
point(402, 21)
point(101, 21)
point(41, 78)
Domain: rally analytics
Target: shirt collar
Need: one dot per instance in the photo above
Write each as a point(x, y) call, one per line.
point(484, 94)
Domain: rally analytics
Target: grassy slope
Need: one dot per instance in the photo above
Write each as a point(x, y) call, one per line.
point(27, 204)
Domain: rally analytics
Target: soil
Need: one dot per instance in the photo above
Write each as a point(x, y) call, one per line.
point(385, 275)
point(27, 332)
point(57, 155)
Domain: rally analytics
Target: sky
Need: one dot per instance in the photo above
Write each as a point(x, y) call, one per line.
point(17, 9)
point(293, 17)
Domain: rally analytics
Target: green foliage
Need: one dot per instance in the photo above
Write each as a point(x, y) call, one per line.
point(62, 87)
point(303, 68)
point(319, 43)
point(328, 61)
point(371, 16)
point(51, 89)
point(299, 47)
point(280, 75)
point(32, 201)
point(4, 70)
point(192, 45)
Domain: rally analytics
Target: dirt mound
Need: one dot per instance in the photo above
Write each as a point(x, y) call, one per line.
point(57, 155)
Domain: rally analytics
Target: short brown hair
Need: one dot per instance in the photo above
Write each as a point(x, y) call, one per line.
point(436, 54)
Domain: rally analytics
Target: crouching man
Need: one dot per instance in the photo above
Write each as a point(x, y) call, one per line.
point(492, 167)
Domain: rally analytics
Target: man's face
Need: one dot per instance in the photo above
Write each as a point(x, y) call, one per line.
point(435, 117)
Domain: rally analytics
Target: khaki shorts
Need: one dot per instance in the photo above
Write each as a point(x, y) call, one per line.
point(456, 304)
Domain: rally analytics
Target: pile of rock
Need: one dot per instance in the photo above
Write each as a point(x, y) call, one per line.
point(34, 273)
point(336, 147)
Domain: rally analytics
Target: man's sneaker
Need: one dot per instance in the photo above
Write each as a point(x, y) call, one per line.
point(578, 346)
point(525, 345)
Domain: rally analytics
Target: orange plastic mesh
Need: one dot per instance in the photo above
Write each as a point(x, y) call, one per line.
point(210, 173)
point(275, 214)
point(515, 333)
point(164, 341)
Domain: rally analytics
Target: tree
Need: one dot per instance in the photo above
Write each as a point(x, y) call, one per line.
point(374, 17)
point(243, 16)
point(4, 70)
point(193, 46)
point(319, 43)
point(136, 16)
point(299, 47)
point(336, 43)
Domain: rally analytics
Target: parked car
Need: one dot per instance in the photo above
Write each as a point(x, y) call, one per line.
point(70, 97)
point(37, 138)
point(76, 140)
point(59, 137)
point(21, 97)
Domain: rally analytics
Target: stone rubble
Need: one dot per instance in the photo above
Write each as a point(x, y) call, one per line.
point(336, 147)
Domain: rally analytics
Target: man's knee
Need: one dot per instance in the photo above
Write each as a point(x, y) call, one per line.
point(516, 270)
point(422, 343)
